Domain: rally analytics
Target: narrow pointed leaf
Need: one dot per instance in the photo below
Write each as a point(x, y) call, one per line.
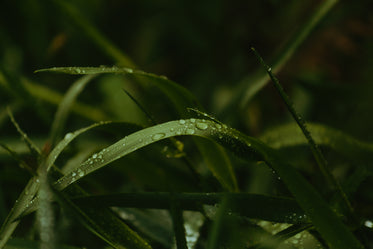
point(216, 158)
point(317, 210)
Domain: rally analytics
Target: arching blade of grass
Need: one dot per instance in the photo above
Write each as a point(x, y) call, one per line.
point(27, 202)
point(290, 135)
point(317, 210)
point(215, 158)
point(65, 106)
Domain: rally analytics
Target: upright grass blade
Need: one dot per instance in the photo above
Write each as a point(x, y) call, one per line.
point(178, 224)
point(52, 97)
point(65, 106)
point(320, 159)
point(317, 210)
point(104, 223)
point(252, 84)
point(95, 35)
point(215, 158)
point(27, 202)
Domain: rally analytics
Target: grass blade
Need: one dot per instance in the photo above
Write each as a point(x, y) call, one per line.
point(317, 210)
point(287, 210)
point(105, 224)
point(65, 106)
point(95, 35)
point(215, 158)
point(289, 135)
point(250, 86)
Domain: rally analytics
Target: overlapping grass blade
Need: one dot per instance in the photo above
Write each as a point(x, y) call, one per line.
point(65, 106)
point(317, 210)
point(53, 97)
point(253, 83)
point(27, 202)
point(215, 158)
point(249, 205)
point(290, 135)
point(94, 34)
point(104, 223)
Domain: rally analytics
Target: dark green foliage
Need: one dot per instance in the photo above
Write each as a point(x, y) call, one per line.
point(114, 154)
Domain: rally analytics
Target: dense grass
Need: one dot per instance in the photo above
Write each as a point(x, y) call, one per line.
point(122, 156)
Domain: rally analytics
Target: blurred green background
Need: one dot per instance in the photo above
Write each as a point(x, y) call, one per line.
point(204, 46)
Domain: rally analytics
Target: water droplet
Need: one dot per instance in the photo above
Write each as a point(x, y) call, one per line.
point(68, 136)
point(123, 144)
point(80, 173)
point(193, 120)
point(158, 136)
point(129, 70)
point(77, 70)
point(202, 126)
point(190, 131)
point(94, 156)
point(73, 174)
point(172, 129)
point(181, 121)
point(218, 126)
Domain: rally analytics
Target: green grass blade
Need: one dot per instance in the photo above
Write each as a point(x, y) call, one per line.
point(318, 211)
point(35, 151)
point(289, 135)
point(250, 86)
point(52, 97)
point(16, 243)
point(249, 205)
point(65, 106)
point(105, 224)
point(178, 224)
point(95, 35)
point(23, 201)
point(215, 158)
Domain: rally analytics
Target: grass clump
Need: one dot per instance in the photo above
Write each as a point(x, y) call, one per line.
point(124, 158)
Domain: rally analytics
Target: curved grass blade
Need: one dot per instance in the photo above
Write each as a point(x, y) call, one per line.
point(27, 202)
point(51, 96)
point(317, 210)
point(65, 106)
point(289, 135)
point(216, 159)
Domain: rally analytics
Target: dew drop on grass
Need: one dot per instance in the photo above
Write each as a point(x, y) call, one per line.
point(193, 120)
point(190, 131)
point(202, 126)
point(77, 70)
point(181, 121)
point(158, 136)
point(94, 156)
point(68, 135)
point(80, 173)
point(129, 70)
